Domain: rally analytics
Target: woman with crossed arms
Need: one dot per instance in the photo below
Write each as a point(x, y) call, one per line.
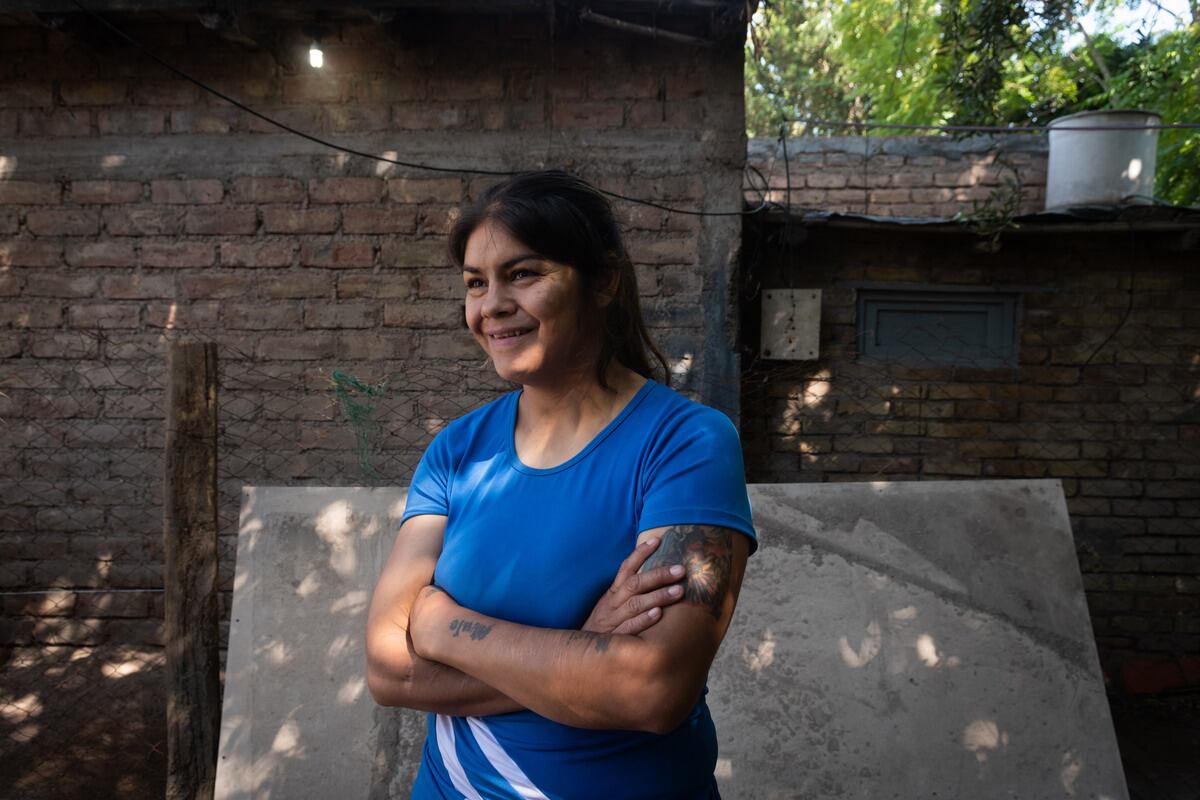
point(497, 611)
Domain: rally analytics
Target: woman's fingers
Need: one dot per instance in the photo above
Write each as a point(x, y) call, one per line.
point(641, 603)
point(639, 623)
point(633, 562)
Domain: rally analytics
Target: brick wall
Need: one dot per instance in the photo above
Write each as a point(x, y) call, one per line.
point(137, 209)
point(1119, 431)
point(901, 176)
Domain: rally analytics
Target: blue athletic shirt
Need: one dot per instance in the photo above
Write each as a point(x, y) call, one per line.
point(539, 547)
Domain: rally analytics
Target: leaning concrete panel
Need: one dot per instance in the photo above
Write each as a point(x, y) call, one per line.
point(297, 720)
point(913, 640)
point(891, 641)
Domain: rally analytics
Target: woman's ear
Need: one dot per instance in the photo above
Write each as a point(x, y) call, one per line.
point(609, 285)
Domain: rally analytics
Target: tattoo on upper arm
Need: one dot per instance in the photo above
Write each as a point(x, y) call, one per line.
point(476, 630)
point(707, 553)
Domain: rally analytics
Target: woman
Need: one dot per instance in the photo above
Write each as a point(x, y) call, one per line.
point(520, 512)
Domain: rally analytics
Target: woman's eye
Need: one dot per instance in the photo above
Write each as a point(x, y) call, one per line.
point(471, 283)
point(518, 273)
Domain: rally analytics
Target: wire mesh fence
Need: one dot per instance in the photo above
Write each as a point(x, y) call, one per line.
point(81, 703)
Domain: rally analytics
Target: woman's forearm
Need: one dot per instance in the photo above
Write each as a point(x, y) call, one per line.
point(399, 677)
point(578, 678)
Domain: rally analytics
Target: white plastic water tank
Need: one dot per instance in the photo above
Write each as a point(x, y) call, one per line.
point(1091, 167)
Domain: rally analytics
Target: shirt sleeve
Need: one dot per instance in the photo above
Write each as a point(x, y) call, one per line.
point(429, 491)
point(696, 476)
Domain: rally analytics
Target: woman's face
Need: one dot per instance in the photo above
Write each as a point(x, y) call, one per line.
point(509, 288)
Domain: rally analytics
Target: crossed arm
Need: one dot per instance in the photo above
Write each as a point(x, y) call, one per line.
point(644, 681)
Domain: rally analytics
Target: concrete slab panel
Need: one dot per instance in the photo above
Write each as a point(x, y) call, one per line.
point(297, 720)
point(892, 640)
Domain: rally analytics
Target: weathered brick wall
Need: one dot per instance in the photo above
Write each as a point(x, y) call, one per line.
point(137, 209)
point(1119, 431)
point(901, 176)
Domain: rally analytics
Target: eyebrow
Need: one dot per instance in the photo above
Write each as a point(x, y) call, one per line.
point(506, 264)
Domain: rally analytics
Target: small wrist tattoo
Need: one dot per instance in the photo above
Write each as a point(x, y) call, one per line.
point(476, 630)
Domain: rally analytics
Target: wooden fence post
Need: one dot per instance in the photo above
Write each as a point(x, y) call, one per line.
point(190, 548)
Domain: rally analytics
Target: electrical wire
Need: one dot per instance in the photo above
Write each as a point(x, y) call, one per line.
point(386, 159)
point(990, 128)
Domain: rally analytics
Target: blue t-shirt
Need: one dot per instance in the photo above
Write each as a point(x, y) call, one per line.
point(539, 547)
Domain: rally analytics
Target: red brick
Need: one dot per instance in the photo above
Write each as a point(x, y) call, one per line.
point(183, 315)
point(89, 192)
point(165, 93)
point(374, 346)
point(215, 284)
point(260, 316)
point(425, 190)
point(63, 222)
point(628, 84)
point(26, 95)
point(403, 253)
point(457, 346)
point(267, 190)
point(103, 315)
point(214, 120)
point(24, 253)
point(92, 93)
point(146, 221)
point(956, 178)
point(664, 251)
point(826, 180)
point(296, 347)
point(391, 88)
point(587, 115)
point(29, 192)
point(341, 315)
point(295, 284)
point(889, 195)
point(123, 122)
point(219, 220)
point(11, 285)
point(266, 253)
point(472, 86)
point(379, 220)
point(30, 315)
point(358, 118)
point(100, 254)
point(186, 192)
point(435, 221)
point(137, 286)
point(315, 87)
point(345, 190)
point(391, 285)
point(433, 116)
point(344, 253)
point(177, 254)
point(429, 314)
point(59, 122)
point(299, 117)
point(65, 345)
point(299, 220)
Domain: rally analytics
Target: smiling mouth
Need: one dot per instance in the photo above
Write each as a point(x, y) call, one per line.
point(515, 335)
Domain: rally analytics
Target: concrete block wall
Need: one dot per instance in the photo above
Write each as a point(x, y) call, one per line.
point(1102, 397)
point(900, 176)
point(136, 208)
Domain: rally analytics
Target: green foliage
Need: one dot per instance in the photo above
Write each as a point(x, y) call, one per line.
point(989, 62)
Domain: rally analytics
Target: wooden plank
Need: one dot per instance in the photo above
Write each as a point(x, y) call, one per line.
point(190, 539)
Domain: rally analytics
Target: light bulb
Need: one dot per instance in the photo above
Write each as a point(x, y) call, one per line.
point(316, 58)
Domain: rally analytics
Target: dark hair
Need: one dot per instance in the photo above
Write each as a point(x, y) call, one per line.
point(564, 219)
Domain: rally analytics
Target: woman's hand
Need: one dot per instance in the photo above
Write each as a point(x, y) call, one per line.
point(424, 619)
point(634, 601)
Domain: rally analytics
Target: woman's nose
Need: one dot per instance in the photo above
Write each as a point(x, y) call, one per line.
point(497, 301)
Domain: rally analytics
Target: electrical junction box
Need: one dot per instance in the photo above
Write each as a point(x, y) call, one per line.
point(791, 324)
